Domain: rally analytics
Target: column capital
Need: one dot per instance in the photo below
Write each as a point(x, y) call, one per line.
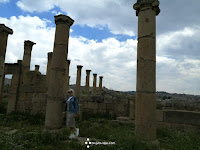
point(68, 61)
point(79, 66)
point(94, 74)
point(6, 29)
point(101, 77)
point(28, 43)
point(50, 54)
point(37, 67)
point(143, 3)
point(88, 71)
point(63, 19)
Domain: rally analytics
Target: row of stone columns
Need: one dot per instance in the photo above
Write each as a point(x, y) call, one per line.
point(87, 83)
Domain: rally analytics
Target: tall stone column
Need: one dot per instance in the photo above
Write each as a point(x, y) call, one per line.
point(78, 81)
point(50, 54)
point(67, 76)
point(94, 83)
point(100, 84)
point(55, 94)
point(87, 81)
point(4, 32)
point(28, 45)
point(145, 114)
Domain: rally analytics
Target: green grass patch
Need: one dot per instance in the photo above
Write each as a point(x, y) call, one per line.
point(20, 131)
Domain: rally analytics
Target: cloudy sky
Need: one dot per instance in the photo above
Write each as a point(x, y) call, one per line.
point(103, 39)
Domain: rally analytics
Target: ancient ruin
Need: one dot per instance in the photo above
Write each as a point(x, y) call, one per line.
point(35, 93)
point(4, 32)
point(94, 83)
point(57, 84)
point(145, 113)
point(100, 84)
point(87, 81)
point(78, 81)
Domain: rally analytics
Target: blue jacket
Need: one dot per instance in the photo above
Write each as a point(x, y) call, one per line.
point(73, 105)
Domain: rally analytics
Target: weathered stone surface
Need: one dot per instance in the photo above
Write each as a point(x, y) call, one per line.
point(50, 54)
point(87, 82)
point(185, 128)
point(56, 86)
point(4, 31)
point(159, 115)
point(145, 115)
point(161, 125)
point(100, 84)
point(67, 76)
point(146, 76)
point(147, 49)
point(28, 45)
point(39, 103)
point(94, 83)
point(12, 102)
point(78, 80)
point(182, 117)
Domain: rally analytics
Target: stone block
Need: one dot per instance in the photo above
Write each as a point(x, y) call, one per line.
point(159, 115)
point(147, 49)
point(161, 125)
point(147, 23)
point(146, 76)
point(185, 128)
point(27, 88)
point(182, 117)
point(145, 115)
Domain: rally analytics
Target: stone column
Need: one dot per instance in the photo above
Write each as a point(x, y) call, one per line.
point(37, 67)
point(100, 84)
point(87, 81)
point(67, 76)
point(145, 114)
point(78, 81)
point(55, 94)
point(28, 45)
point(4, 32)
point(94, 83)
point(50, 54)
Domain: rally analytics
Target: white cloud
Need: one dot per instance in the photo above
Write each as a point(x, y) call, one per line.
point(4, 1)
point(119, 16)
point(113, 59)
point(94, 13)
point(29, 28)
